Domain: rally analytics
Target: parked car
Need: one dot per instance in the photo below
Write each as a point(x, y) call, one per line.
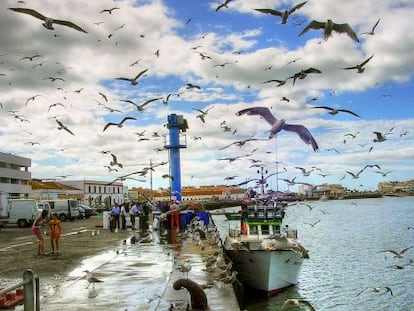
point(86, 211)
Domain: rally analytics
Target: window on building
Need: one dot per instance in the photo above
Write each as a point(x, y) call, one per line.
point(14, 167)
point(94, 189)
point(99, 189)
point(89, 189)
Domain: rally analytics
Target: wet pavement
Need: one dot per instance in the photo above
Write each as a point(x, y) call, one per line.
point(133, 275)
point(137, 276)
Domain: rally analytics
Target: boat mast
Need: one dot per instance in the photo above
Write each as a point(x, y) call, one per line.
point(277, 168)
point(262, 180)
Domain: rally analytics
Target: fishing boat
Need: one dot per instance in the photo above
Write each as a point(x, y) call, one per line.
point(266, 254)
point(324, 198)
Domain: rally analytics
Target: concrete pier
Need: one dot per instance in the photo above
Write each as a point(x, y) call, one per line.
point(197, 253)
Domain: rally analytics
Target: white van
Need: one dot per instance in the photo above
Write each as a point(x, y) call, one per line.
point(3, 208)
point(22, 212)
point(66, 209)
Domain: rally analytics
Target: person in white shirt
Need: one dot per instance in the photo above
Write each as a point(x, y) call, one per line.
point(123, 213)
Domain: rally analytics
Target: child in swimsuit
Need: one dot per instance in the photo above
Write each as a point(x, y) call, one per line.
point(38, 232)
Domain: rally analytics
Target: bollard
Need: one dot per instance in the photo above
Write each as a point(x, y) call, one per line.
point(28, 290)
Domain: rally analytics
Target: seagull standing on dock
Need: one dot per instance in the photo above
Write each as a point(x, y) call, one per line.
point(185, 267)
point(278, 125)
point(91, 278)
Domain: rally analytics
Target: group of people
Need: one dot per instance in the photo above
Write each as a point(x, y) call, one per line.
point(55, 228)
point(120, 212)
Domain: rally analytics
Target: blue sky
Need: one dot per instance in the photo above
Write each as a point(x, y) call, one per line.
point(256, 48)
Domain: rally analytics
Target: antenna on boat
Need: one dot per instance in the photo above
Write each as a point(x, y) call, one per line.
point(262, 180)
point(277, 168)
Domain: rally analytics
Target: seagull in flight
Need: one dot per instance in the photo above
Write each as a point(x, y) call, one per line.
point(203, 113)
point(278, 125)
point(334, 111)
point(380, 137)
point(329, 26)
point(377, 290)
point(32, 98)
point(141, 107)
point(55, 105)
point(133, 80)
point(356, 176)
point(398, 254)
point(115, 161)
point(313, 224)
point(360, 68)
point(283, 14)
point(303, 74)
point(297, 302)
point(48, 21)
point(372, 32)
point(240, 143)
point(109, 10)
point(63, 127)
point(383, 174)
point(223, 5)
point(120, 124)
point(232, 159)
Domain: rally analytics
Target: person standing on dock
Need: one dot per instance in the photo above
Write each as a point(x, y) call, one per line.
point(146, 209)
point(116, 210)
point(175, 215)
point(55, 227)
point(123, 213)
point(36, 229)
point(132, 214)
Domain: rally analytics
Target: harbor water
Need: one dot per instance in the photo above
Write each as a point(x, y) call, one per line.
point(348, 268)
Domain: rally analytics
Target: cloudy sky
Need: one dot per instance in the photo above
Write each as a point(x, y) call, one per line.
point(70, 76)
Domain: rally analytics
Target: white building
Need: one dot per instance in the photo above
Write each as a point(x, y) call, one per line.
point(98, 193)
point(15, 176)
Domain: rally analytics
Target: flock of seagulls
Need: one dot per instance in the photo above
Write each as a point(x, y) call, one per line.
point(328, 27)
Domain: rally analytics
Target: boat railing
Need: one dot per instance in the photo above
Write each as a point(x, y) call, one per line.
point(234, 232)
point(290, 233)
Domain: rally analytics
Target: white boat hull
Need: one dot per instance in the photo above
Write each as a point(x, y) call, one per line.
point(268, 271)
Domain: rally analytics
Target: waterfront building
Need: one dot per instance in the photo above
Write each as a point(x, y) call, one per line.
point(396, 186)
point(15, 176)
point(201, 193)
point(330, 190)
point(99, 193)
point(53, 190)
